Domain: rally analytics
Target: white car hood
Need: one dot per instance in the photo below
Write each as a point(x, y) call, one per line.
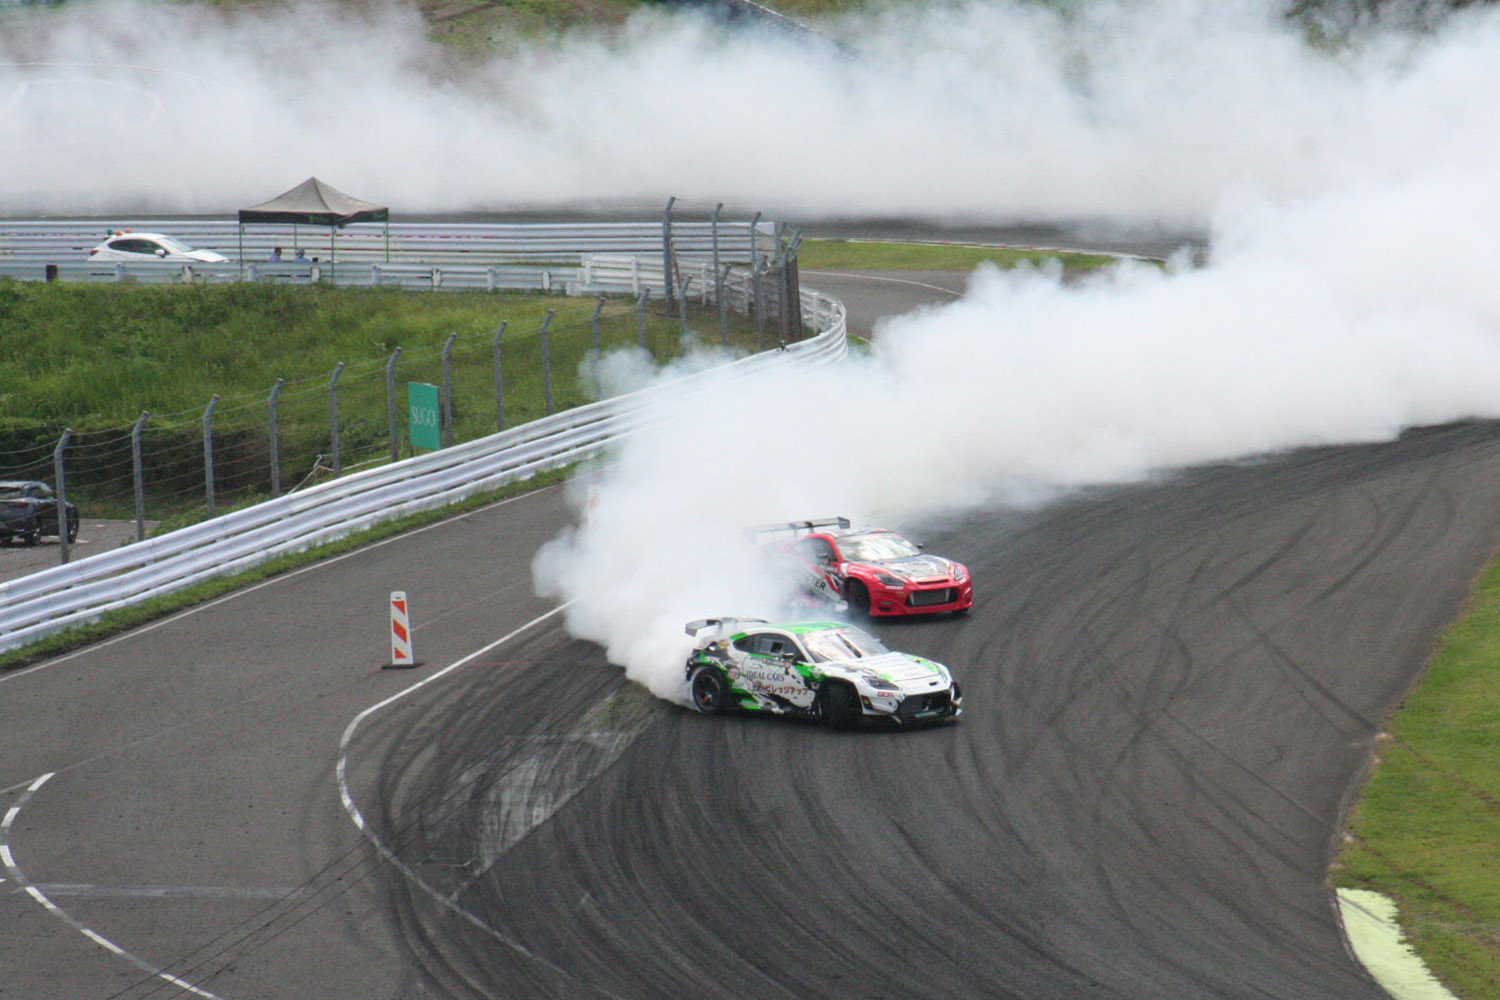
point(909, 673)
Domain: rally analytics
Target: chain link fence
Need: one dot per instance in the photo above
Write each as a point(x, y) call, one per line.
point(241, 448)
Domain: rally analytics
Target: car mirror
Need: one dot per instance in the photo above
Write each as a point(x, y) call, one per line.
point(160, 252)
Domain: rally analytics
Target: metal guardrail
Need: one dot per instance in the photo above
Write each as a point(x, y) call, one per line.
point(41, 603)
point(477, 244)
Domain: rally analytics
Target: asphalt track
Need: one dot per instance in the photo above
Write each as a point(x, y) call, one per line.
point(1171, 689)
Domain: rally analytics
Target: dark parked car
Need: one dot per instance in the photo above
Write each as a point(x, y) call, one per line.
point(28, 510)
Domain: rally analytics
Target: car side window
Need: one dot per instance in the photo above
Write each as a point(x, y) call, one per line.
point(772, 645)
point(133, 246)
point(745, 644)
point(37, 490)
point(815, 550)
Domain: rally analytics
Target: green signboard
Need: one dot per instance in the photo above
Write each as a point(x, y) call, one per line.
point(423, 407)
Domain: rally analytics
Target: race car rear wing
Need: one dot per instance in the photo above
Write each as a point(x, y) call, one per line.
point(762, 533)
point(724, 626)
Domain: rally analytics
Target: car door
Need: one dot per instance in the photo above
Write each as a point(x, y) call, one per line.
point(778, 668)
point(819, 562)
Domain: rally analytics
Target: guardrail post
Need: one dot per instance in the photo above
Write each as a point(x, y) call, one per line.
point(62, 492)
point(547, 362)
point(754, 231)
point(390, 404)
point(666, 250)
point(499, 382)
point(208, 453)
point(275, 439)
point(448, 391)
point(640, 317)
point(598, 354)
point(137, 475)
point(333, 417)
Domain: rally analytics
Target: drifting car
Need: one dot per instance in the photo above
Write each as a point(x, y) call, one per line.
point(825, 670)
point(28, 510)
point(876, 571)
point(127, 247)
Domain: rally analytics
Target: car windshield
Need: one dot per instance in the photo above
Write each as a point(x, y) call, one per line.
point(842, 644)
point(173, 245)
point(875, 546)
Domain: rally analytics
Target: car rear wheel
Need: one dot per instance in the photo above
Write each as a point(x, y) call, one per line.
point(30, 537)
point(72, 530)
point(840, 705)
point(710, 690)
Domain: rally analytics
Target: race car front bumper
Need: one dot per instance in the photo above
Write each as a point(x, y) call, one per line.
point(923, 599)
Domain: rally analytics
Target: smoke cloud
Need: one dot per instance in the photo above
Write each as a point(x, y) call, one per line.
point(1002, 110)
point(1349, 191)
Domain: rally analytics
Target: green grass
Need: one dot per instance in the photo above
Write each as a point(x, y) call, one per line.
point(862, 255)
point(1426, 827)
point(91, 358)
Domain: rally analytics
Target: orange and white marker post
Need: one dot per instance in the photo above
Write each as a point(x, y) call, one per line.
point(401, 648)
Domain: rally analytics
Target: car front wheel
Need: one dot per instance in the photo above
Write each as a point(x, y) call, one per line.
point(859, 598)
point(710, 689)
point(840, 706)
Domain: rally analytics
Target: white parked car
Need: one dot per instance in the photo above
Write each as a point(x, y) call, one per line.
point(127, 247)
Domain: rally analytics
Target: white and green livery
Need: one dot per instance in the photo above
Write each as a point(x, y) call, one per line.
point(825, 670)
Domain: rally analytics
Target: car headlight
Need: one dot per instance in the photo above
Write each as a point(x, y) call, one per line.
point(890, 581)
point(881, 684)
point(960, 573)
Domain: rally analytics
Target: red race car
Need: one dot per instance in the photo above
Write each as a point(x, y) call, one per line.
point(875, 570)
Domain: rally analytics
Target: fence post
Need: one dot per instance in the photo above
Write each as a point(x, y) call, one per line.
point(640, 317)
point(547, 362)
point(138, 476)
point(208, 453)
point(682, 305)
point(754, 230)
point(333, 417)
point(275, 438)
point(666, 250)
point(720, 277)
point(598, 354)
point(390, 405)
point(448, 391)
point(713, 230)
point(62, 492)
point(758, 278)
point(499, 383)
point(794, 289)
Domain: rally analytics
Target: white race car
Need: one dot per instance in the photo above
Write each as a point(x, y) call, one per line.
point(825, 670)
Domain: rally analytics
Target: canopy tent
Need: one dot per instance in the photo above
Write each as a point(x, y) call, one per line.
point(314, 203)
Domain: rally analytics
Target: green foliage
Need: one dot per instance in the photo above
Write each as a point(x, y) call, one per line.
point(933, 256)
point(169, 349)
point(1426, 828)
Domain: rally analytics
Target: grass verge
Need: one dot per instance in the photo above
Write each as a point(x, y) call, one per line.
point(873, 256)
point(1425, 830)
